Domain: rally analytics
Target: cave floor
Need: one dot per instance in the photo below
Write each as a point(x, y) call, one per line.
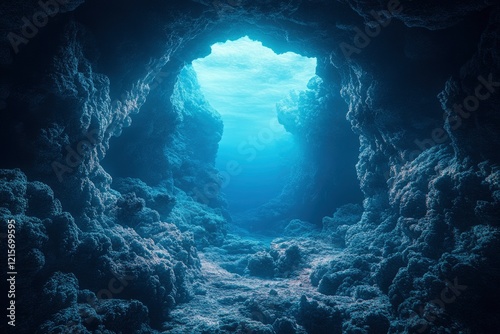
point(229, 302)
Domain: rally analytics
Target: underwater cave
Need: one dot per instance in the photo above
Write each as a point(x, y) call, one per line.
point(253, 167)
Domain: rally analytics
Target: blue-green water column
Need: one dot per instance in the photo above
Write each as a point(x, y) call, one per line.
point(243, 81)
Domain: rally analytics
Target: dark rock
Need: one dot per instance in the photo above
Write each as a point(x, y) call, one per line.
point(261, 264)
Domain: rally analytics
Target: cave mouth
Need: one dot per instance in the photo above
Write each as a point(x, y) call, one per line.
point(244, 80)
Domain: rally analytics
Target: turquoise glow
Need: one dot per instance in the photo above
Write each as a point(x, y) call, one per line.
point(243, 80)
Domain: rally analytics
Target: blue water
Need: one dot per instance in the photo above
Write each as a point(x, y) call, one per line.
point(243, 80)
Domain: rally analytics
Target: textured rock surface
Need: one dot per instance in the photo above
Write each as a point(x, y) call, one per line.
point(107, 168)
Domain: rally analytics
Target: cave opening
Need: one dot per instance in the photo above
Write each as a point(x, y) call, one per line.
point(109, 154)
point(244, 80)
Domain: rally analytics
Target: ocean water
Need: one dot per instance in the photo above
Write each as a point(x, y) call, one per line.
point(243, 80)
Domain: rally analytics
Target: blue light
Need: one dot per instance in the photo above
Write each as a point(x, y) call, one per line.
point(243, 81)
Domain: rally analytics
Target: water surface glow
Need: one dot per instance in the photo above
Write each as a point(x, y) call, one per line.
point(243, 80)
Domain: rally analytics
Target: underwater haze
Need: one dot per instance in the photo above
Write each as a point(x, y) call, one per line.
point(243, 80)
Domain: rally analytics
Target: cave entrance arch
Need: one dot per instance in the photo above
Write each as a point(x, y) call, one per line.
point(243, 80)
